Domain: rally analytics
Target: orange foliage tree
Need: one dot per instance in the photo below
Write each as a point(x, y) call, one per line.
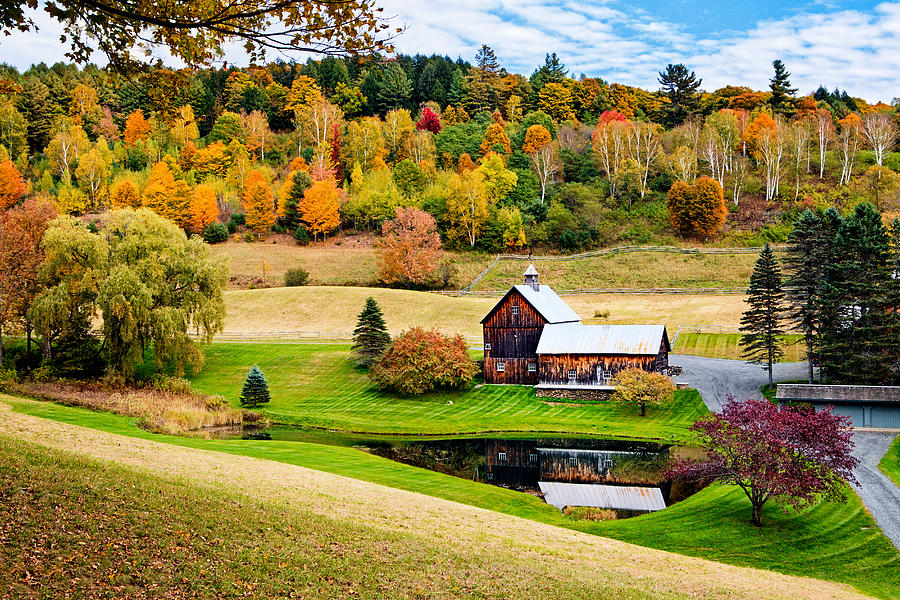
point(320, 207)
point(212, 160)
point(697, 210)
point(166, 195)
point(410, 248)
point(136, 127)
point(258, 202)
point(495, 140)
point(204, 208)
point(12, 184)
point(125, 195)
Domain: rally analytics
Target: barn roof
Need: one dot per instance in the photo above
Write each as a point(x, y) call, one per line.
point(575, 338)
point(797, 392)
point(545, 302)
point(618, 497)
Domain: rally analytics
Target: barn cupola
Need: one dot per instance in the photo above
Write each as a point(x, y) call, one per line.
point(531, 278)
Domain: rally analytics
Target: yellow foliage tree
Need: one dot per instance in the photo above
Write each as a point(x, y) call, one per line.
point(495, 140)
point(697, 210)
point(467, 206)
point(212, 160)
point(555, 99)
point(137, 127)
point(258, 202)
point(637, 386)
point(204, 208)
point(320, 207)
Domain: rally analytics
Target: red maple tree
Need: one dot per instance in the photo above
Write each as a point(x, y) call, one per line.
point(429, 121)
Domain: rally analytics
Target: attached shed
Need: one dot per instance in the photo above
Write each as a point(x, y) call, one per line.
point(868, 406)
point(589, 355)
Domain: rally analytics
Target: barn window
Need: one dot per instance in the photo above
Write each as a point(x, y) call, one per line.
point(607, 375)
point(573, 461)
point(514, 309)
point(501, 457)
point(532, 366)
point(533, 458)
point(572, 374)
point(490, 476)
point(501, 367)
point(487, 346)
point(607, 464)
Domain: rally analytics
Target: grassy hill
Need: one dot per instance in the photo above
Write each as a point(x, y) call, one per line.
point(336, 308)
point(244, 526)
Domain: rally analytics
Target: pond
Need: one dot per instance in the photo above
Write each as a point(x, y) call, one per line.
point(520, 463)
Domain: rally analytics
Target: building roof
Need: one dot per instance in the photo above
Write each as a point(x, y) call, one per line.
point(545, 302)
point(575, 338)
point(530, 270)
point(617, 497)
point(804, 392)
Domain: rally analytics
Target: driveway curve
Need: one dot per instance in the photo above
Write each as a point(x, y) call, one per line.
point(717, 378)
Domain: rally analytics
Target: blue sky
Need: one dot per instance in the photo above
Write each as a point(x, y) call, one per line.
point(847, 44)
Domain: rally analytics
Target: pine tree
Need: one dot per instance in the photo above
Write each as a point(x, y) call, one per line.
point(761, 323)
point(858, 345)
point(395, 88)
point(780, 84)
point(255, 390)
point(809, 252)
point(370, 337)
point(681, 88)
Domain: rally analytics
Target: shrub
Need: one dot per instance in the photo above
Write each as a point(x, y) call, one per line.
point(589, 513)
point(296, 277)
point(699, 209)
point(421, 360)
point(301, 236)
point(174, 385)
point(255, 390)
point(215, 233)
point(249, 237)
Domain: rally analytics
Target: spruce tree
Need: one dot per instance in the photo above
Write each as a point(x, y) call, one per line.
point(857, 341)
point(680, 86)
point(809, 251)
point(762, 322)
point(255, 390)
point(395, 88)
point(780, 84)
point(370, 337)
point(291, 217)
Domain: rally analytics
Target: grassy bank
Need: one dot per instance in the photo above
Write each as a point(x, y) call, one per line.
point(890, 464)
point(829, 541)
point(317, 385)
point(727, 345)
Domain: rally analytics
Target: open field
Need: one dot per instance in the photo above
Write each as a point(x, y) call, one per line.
point(823, 541)
point(634, 270)
point(726, 345)
point(890, 464)
point(317, 385)
point(336, 308)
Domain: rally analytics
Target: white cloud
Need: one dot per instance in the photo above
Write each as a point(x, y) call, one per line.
point(613, 39)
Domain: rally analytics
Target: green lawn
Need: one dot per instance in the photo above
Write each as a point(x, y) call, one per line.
point(317, 385)
point(890, 464)
point(829, 541)
point(727, 345)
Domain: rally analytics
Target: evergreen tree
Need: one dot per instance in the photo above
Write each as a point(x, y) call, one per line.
point(780, 84)
point(395, 88)
point(761, 323)
point(681, 88)
point(487, 61)
point(370, 337)
point(255, 390)
point(809, 252)
point(456, 94)
point(35, 105)
point(300, 183)
point(859, 342)
point(552, 71)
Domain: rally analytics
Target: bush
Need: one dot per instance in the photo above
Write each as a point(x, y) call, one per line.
point(215, 233)
point(301, 235)
point(249, 237)
point(174, 385)
point(296, 277)
point(421, 360)
point(589, 513)
point(697, 210)
point(236, 220)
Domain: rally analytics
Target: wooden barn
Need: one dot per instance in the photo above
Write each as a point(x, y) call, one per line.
point(512, 330)
point(533, 337)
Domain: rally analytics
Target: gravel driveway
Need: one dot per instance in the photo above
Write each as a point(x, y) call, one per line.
point(716, 378)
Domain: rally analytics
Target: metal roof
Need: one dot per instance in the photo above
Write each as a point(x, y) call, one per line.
point(804, 392)
point(575, 338)
point(530, 270)
point(618, 497)
point(548, 304)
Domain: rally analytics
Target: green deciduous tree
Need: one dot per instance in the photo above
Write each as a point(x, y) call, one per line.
point(255, 390)
point(762, 324)
point(370, 336)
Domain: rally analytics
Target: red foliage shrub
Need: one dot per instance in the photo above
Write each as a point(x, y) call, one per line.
point(421, 360)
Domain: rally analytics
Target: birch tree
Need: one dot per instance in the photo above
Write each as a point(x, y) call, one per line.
point(848, 144)
point(881, 132)
point(824, 136)
point(644, 147)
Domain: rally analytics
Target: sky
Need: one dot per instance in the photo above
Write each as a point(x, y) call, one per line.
point(853, 45)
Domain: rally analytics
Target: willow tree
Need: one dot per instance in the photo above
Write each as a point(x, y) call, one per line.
point(149, 283)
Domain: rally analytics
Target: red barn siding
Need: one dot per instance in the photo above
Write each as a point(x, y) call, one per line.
point(513, 339)
point(554, 368)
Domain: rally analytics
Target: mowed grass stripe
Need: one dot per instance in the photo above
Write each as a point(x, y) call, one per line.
point(317, 385)
point(727, 345)
point(823, 541)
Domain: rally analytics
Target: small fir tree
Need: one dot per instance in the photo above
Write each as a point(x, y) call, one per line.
point(370, 337)
point(255, 390)
point(762, 323)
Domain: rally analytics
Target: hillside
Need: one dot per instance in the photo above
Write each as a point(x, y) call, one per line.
point(321, 534)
